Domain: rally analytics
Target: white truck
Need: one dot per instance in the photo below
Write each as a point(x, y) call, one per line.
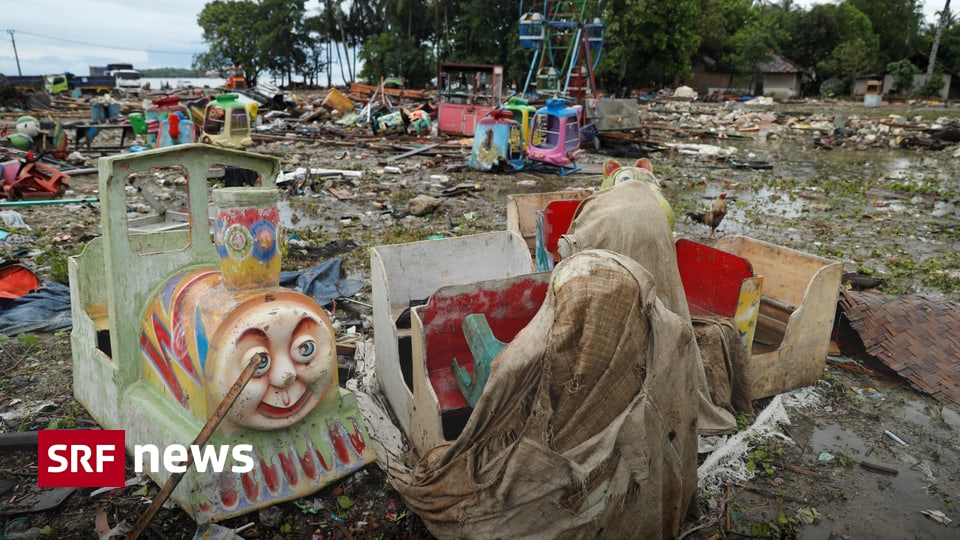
point(128, 79)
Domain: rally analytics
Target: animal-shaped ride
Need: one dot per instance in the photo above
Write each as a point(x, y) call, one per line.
point(165, 322)
point(615, 173)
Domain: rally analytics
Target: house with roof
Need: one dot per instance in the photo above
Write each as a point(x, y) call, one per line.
point(780, 78)
point(948, 92)
point(709, 77)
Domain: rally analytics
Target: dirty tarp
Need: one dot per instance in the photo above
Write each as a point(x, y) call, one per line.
point(627, 219)
point(586, 427)
point(322, 282)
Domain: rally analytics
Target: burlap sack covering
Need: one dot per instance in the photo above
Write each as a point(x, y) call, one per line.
point(587, 427)
point(723, 355)
point(627, 219)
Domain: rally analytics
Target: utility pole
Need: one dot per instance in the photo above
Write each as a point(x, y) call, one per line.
point(15, 55)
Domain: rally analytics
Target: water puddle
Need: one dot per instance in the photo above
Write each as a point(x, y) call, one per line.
point(882, 503)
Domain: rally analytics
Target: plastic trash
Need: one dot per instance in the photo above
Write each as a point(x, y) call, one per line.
point(12, 218)
point(895, 438)
point(938, 516)
point(215, 532)
point(120, 530)
point(17, 529)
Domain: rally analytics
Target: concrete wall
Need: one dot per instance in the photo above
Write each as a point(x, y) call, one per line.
point(781, 85)
point(703, 81)
point(920, 80)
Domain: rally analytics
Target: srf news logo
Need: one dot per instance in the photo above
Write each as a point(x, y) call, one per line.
point(96, 458)
point(80, 458)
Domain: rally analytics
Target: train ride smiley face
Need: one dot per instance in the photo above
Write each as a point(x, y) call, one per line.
point(295, 355)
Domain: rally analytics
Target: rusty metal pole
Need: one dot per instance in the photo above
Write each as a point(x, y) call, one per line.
point(200, 440)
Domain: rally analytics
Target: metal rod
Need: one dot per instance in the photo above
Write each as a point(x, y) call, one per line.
point(48, 201)
point(201, 440)
point(344, 298)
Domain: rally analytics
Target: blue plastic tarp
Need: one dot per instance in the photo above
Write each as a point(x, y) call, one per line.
point(321, 282)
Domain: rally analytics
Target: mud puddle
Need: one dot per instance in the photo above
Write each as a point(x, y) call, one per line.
point(845, 477)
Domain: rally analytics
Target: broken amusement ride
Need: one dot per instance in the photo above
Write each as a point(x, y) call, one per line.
point(566, 37)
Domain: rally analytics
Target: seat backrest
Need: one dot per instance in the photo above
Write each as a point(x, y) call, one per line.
point(711, 278)
point(558, 215)
point(508, 305)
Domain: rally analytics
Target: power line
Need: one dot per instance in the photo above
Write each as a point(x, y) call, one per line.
point(77, 42)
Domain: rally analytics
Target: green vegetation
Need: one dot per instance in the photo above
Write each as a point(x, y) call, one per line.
point(760, 460)
point(903, 72)
point(648, 44)
point(56, 259)
point(780, 527)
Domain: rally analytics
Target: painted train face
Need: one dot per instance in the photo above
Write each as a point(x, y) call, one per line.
point(195, 355)
point(296, 360)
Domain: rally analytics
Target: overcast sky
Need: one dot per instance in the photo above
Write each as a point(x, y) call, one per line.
point(71, 35)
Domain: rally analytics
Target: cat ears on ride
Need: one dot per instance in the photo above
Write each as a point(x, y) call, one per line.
point(611, 166)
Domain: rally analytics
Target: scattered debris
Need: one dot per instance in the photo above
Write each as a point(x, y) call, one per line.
point(878, 467)
point(896, 439)
point(31, 498)
point(937, 516)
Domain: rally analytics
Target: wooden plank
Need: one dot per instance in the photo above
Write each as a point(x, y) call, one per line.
point(340, 193)
point(415, 151)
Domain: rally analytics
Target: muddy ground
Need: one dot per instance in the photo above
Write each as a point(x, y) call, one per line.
point(831, 473)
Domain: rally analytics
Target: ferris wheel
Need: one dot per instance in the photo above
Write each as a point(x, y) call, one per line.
point(567, 39)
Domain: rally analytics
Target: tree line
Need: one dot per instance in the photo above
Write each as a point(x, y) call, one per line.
point(648, 43)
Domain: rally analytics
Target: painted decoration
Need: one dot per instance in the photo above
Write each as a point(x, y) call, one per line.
point(176, 129)
point(497, 144)
point(196, 338)
point(419, 123)
point(246, 238)
point(164, 323)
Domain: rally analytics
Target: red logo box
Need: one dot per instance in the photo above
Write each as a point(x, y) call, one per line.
point(81, 458)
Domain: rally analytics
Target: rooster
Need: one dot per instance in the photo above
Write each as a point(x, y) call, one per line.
point(712, 218)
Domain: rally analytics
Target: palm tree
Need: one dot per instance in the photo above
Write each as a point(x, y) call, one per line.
point(944, 17)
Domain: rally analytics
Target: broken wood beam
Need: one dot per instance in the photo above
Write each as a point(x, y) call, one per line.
point(413, 152)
